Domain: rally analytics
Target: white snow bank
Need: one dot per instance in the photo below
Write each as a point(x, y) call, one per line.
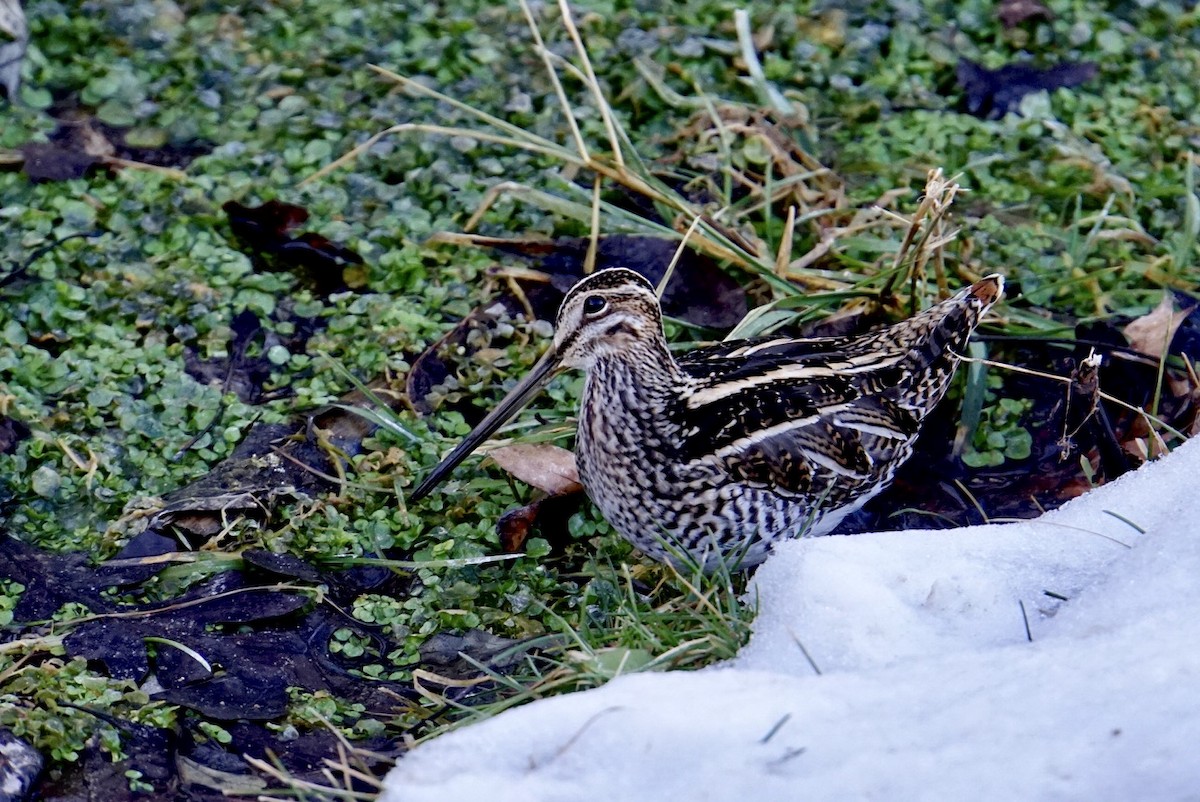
point(930, 688)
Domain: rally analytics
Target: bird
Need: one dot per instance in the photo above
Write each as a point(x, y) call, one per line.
point(712, 457)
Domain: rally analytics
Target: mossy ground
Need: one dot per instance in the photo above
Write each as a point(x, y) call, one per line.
point(1083, 203)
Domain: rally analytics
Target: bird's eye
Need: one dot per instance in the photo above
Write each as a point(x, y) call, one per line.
point(594, 304)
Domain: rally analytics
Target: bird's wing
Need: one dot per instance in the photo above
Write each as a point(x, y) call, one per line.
point(783, 422)
point(767, 347)
point(824, 414)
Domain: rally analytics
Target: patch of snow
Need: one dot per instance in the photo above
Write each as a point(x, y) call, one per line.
point(930, 688)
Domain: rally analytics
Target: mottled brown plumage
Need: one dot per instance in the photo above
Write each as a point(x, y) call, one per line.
point(723, 451)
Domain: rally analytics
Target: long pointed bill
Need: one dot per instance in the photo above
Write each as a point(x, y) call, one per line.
point(512, 403)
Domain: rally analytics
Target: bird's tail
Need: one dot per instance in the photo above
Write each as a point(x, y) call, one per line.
point(936, 339)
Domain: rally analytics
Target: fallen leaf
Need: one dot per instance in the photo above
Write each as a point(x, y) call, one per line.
point(192, 772)
point(322, 260)
point(47, 162)
point(1153, 332)
point(87, 136)
point(138, 560)
point(257, 696)
point(280, 564)
point(12, 432)
point(515, 525)
point(459, 656)
point(80, 142)
point(437, 363)
point(547, 467)
point(50, 580)
point(264, 232)
point(1013, 12)
point(991, 94)
point(269, 467)
point(264, 227)
point(547, 516)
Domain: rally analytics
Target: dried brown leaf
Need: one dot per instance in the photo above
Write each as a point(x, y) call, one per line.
point(1152, 333)
point(47, 162)
point(444, 358)
point(515, 526)
point(990, 94)
point(547, 467)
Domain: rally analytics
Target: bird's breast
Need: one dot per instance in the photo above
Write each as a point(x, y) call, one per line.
point(627, 444)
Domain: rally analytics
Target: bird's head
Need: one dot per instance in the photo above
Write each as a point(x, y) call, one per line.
point(609, 313)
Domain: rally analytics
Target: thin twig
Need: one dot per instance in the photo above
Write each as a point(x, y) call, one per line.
point(1067, 381)
point(23, 269)
point(662, 284)
point(169, 172)
point(593, 83)
point(770, 96)
point(811, 662)
point(559, 92)
point(533, 765)
point(589, 261)
point(784, 255)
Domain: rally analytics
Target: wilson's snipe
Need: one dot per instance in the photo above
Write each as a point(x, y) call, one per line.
point(725, 450)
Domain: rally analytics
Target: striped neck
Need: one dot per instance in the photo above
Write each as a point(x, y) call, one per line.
point(646, 364)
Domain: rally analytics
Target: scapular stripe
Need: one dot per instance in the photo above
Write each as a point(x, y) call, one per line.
point(863, 363)
point(744, 413)
point(744, 442)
